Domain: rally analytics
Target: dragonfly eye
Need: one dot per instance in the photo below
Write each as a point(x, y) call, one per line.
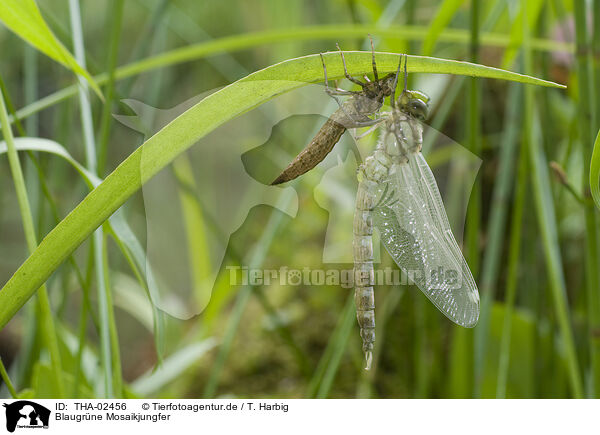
point(418, 108)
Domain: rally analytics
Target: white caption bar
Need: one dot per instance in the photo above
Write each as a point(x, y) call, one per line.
point(150, 416)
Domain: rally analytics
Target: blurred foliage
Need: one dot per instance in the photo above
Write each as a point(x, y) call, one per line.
point(302, 341)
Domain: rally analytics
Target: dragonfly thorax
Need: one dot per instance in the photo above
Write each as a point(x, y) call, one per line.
point(407, 133)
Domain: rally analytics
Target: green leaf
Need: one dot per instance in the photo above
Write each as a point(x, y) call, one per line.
point(595, 172)
point(185, 130)
point(24, 18)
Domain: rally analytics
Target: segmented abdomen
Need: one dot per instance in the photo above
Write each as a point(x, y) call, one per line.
point(364, 297)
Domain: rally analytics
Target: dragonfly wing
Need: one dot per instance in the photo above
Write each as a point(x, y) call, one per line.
point(430, 194)
point(421, 249)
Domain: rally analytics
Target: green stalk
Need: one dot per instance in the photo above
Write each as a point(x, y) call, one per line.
point(474, 139)
point(586, 91)
point(81, 335)
point(30, 73)
point(595, 55)
point(46, 311)
point(27, 354)
point(512, 274)
point(117, 379)
point(547, 222)
point(339, 346)
point(316, 387)
point(114, 19)
point(107, 345)
point(6, 380)
point(495, 230)
point(145, 38)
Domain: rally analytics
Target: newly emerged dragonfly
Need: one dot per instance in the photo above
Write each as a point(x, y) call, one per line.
point(398, 195)
point(353, 113)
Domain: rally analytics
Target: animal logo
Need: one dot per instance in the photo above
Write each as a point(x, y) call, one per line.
point(26, 414)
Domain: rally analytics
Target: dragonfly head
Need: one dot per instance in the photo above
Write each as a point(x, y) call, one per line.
point(414, 103)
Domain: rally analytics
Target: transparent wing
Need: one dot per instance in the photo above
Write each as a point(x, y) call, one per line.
point(421, 248)
point(430, 193)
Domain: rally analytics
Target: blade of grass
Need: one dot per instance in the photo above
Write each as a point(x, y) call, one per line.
point(27, 353)
point(473, 218)
point(544, 206)
point(512, 274)
point(104, 306)
point(495, 230)
point(6, 380)
point(339, 347)
point(117, 377)
point(29, 229)
point(586, 116)
point(315, 385)
point(146, 37)
point(249, 40)
point(474, 140)
point(114, 19)
point(595, 58)
point(530, 10)
point(24, 18)
point(595, 172)
point(173, 367)
point(135, 256)
point(442, 18)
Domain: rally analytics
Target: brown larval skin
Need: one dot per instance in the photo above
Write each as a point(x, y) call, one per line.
point(354, 113)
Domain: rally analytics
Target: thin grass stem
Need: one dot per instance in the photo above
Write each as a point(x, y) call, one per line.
point(47, 321)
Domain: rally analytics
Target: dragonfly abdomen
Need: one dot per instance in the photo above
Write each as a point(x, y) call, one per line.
point(371, 172)
point(364, 276)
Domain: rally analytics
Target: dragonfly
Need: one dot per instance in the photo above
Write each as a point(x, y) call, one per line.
point(353, 113)
point(398, 195)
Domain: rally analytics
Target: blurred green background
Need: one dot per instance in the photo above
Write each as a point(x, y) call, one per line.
point(529, 237)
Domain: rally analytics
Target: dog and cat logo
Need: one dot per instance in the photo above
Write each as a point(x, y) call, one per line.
point(25, 414)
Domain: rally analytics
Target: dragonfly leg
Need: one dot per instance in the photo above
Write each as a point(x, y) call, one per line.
point(393, 95)
point(373, 59)
point(339, 92)
point(365, 123)
point(334, 93)
point(348, 76)
point(370, 130)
